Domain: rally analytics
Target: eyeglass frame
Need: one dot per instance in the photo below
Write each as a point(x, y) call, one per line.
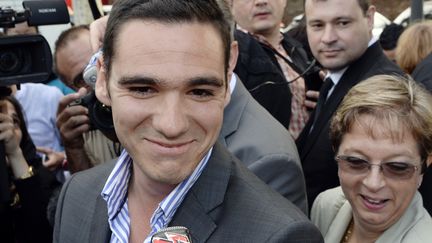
point(387, 173)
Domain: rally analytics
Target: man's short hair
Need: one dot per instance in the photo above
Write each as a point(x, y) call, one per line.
point(64, 38)
point(213, 12)
point(364, 4)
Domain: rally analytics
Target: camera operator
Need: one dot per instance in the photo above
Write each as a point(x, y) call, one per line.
point(24, 218)
point(84, 147)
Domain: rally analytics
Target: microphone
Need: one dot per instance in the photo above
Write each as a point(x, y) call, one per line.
point(174, 234)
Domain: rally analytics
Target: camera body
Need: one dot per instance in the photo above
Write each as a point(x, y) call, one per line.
point(100, 115)
point(24, 58)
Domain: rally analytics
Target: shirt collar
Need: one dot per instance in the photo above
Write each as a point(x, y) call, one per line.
point(116, 186)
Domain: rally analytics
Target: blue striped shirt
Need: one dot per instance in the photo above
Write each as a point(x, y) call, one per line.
point(115, 194)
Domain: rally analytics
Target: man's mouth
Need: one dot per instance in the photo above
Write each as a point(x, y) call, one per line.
point(170, 148)
point(261, 14)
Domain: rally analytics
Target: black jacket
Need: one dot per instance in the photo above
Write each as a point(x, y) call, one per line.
point(27, 222)
point(257, 65)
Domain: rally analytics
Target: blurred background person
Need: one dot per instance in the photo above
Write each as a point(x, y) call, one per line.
point(382, 135)
point(414, 45)
point(388, 39)
point(24, 218)
point(414, 50)
point(299, 33)
point(273, 66)
point(84, 147)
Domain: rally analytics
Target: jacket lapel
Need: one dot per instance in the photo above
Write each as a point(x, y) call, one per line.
point(198, 212)
point(100, 231)
point(233, 111)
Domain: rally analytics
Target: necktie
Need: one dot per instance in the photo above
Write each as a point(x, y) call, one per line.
point(328, 84)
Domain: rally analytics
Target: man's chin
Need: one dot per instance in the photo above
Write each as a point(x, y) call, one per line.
point(334, 66)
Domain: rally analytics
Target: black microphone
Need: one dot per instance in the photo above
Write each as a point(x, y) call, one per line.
point(46, 12)
point(174, 234)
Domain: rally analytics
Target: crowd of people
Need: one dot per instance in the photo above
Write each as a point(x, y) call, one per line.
point(224, 128)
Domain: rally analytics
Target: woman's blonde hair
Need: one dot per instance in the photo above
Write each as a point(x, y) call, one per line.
point(396, 103)
point(414, 44)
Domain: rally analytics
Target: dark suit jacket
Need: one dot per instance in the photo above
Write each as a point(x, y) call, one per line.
point(423, 75)
point(257, 64)
point(315, 149)
point(226, 204)
point(261, 143)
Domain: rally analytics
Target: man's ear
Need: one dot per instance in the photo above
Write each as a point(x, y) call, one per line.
point(233, 58)
point(231, 65)
point(101, 87)
point(370, 14)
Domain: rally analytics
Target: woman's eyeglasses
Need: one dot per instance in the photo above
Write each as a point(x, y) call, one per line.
point(392, 170)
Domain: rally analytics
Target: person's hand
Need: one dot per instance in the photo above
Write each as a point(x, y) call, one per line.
point(97, 32)
point(9, 135)
point(54, 159)
point(72, 121)
point(311, 99)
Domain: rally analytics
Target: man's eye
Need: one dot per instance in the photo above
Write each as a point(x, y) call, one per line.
point(343, 23)
point(316, 26)
point(142, 90)
point(202, 92)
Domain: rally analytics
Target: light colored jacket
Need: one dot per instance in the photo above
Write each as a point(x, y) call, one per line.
point(331, 212)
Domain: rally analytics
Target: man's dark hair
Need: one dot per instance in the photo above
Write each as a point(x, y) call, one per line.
point(390, 35)
point(62, 41)
point(364, 4)
point(211, 12)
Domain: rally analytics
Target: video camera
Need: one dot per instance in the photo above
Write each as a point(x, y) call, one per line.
point(25, 58)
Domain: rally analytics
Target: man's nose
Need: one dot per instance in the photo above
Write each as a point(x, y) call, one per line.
point(329, 35)
point(171, 119)
point(261, 2)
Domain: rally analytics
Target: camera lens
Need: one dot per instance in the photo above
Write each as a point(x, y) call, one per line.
point(10, 61)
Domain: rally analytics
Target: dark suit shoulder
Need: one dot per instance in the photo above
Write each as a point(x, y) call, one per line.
point(264, 211)
point(79, 202)
point(256, 212)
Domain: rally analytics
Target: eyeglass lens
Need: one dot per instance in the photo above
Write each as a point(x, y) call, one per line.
point(394, 170)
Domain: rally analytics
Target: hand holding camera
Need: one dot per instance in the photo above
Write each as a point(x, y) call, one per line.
point(73, 120)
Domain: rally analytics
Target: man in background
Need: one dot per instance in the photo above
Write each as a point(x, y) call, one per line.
point(389, 38)
point(84, 147)
point(273, 66)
